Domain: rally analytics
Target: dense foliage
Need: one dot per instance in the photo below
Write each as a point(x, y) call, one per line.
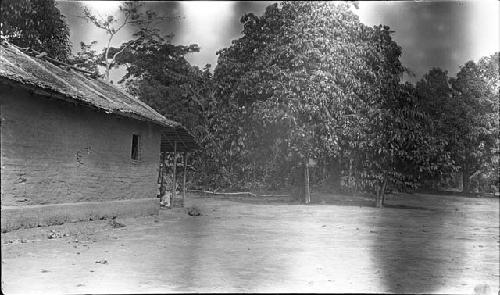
point(308, 80)
point(434, 95)
point(476, 92)
point(37, 24)
point(464, 114)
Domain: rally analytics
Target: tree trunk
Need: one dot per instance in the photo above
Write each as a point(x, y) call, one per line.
point(381, 192)
point(107, 62)
point(106, 54)
point(382, 197)
point(307, 192)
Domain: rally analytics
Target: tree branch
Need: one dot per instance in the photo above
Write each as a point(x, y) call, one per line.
point(54, 61)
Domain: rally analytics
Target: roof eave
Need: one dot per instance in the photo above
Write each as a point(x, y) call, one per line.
point(49, 92)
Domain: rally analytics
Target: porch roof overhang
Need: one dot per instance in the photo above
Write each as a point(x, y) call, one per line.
point(178, 135)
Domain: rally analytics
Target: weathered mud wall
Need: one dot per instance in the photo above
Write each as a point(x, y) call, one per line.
point(57, 152)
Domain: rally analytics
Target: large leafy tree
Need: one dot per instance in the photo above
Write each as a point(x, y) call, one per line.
point(285, 82)
point(476, 91)
point(308, 80)
point(37, 24)
point(396, 148)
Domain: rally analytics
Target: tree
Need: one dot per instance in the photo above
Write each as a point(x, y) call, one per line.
point(288, 77)
point(476, 91)
point(131, 14)
point(398, 147)
point(159, 74)
point(434, 94)
point(308, 80)
point(37, 24)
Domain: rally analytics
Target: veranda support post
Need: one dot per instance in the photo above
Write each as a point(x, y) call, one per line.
point(184, 178)
point(161, 177)
point(174, 185)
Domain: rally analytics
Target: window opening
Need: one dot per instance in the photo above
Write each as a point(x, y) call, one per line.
point(135, 147)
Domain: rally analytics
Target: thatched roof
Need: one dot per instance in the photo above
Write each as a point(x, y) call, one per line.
point(69, 84)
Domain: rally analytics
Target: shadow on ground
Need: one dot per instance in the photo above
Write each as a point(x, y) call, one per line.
point(414, 247)
point(398, 206)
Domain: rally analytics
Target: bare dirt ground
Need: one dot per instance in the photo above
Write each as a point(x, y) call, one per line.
point(418, 244)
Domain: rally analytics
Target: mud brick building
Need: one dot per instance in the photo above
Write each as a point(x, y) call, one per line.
point(74, 147)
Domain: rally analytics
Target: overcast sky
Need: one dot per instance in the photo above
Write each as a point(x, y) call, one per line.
point(443, 34)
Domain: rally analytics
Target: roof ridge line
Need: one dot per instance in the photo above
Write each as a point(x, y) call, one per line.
point(43, 55)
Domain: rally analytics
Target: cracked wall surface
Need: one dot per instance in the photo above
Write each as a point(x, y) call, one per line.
point(57, 152)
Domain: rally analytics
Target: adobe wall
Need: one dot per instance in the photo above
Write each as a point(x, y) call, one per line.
point(57, 152)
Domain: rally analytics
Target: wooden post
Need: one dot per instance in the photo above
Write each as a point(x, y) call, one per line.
point(174, 185)
point(381, 192)
point(160, 181)
point(184, 179)
point(307, 193)
point(161, 176)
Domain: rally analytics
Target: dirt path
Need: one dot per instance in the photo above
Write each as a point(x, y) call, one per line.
point(434, 244)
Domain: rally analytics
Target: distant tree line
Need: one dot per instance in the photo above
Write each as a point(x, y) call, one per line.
point(307, 80)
